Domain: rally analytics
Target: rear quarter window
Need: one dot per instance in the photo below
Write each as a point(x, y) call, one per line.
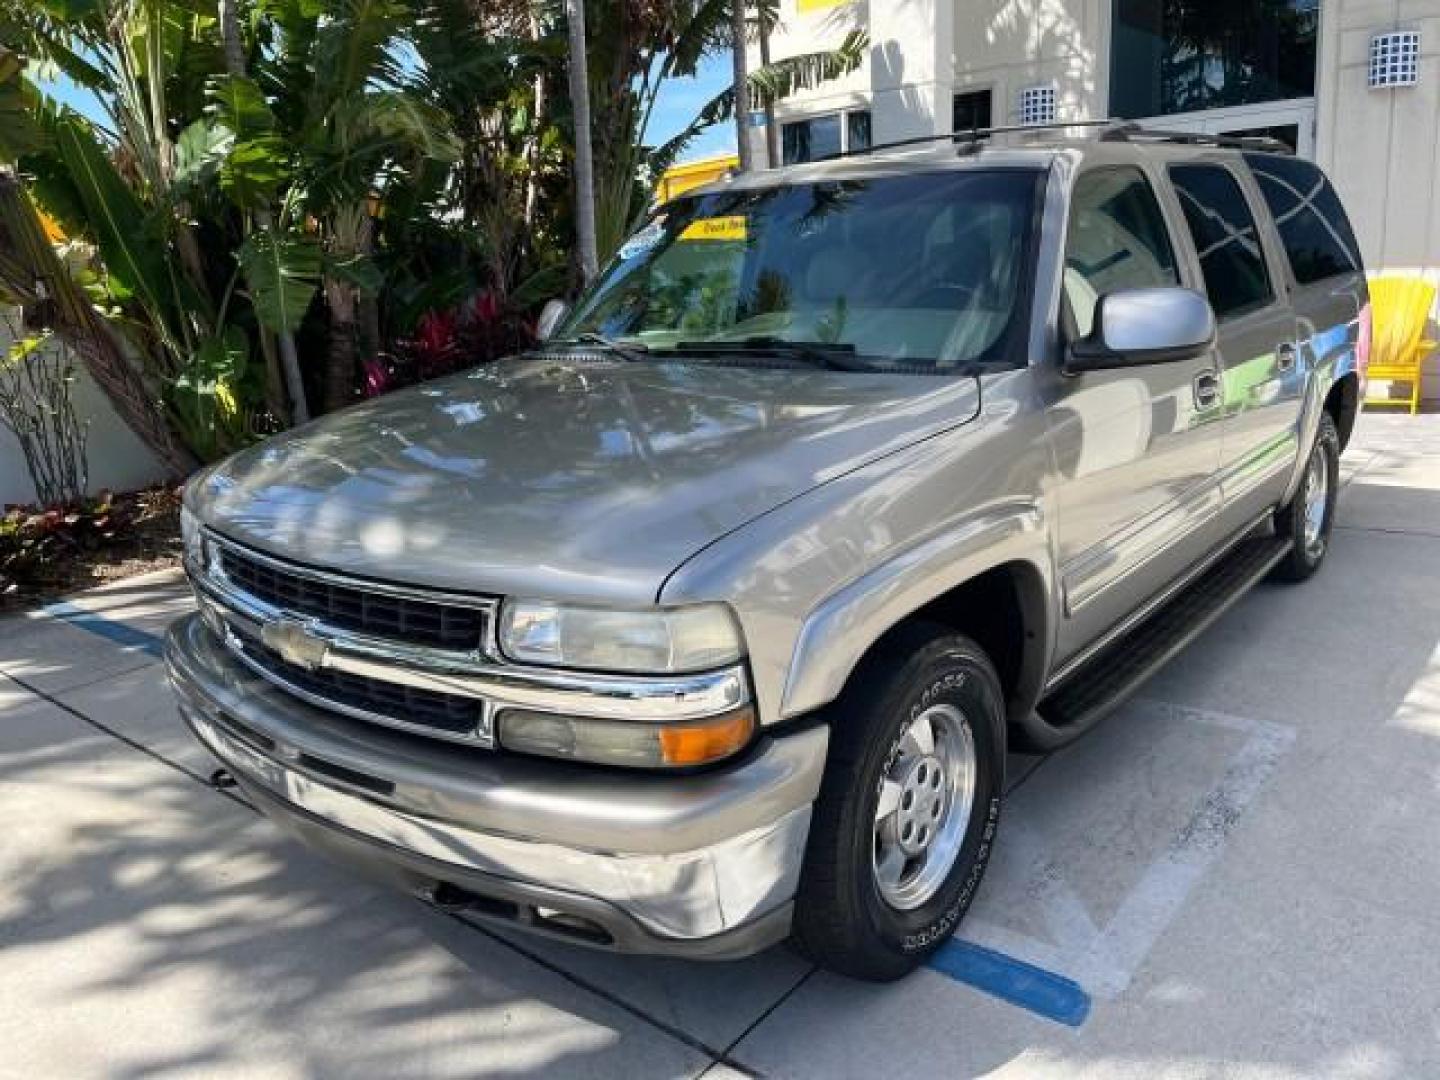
point(1313, 226)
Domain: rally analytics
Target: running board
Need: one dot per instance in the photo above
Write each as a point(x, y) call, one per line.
point(1122, 666)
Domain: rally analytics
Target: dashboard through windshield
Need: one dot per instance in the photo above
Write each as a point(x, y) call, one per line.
point(926, 272)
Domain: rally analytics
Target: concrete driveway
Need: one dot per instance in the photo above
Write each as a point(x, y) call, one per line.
point(1238, 875)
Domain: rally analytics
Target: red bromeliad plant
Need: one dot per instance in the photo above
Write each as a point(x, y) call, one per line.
point(479, 331)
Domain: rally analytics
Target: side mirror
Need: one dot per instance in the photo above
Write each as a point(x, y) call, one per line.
point(551, 316)
point(1144, 326)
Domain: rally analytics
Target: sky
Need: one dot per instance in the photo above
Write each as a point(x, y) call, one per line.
point(681, 99)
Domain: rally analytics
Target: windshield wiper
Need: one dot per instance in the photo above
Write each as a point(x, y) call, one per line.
point(816, 354)
point(636, 353)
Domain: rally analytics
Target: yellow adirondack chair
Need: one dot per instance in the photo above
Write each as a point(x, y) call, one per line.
point(1400, 308)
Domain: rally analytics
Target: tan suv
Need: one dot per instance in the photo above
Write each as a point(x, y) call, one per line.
point(709, 622)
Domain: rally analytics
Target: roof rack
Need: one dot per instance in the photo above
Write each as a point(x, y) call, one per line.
point(966, 138)
point(1111, 130)
point(1133, 132)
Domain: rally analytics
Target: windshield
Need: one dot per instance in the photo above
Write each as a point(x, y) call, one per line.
point(924, 272)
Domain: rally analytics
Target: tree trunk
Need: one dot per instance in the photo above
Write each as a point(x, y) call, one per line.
point(772, 133)
point(584, 157)
point(289, 358)
point(340, 360)
point(742, 83)
point(532, 147)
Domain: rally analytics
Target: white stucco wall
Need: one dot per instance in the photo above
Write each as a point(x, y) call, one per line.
point(118, 460)
point(1382, 147)
point(1008, 45)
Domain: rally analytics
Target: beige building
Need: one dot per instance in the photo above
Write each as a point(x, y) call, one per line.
point(1352, 84)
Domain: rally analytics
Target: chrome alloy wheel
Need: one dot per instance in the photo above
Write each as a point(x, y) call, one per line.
point(1317, 500)
point(923, 813)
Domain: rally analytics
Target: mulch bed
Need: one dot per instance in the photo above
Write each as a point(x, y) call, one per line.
point(132, 533)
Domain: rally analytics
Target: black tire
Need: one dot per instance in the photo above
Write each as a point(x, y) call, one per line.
point(841, 920)
point(1306, 551)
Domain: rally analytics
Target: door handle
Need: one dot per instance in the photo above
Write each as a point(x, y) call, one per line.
point(1207, 390)
point(1285, 355)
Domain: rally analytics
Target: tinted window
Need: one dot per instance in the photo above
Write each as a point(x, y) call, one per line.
point(1225, 238)
point(1117, 241)
point(1312, 222)
point(925, 272)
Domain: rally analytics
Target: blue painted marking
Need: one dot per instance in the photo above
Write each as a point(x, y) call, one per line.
point(118, 632)
point(1042, 992)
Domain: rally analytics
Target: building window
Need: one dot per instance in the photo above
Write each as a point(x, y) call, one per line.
point(1395, 59)
point(1176, 56)
point(971, 111)
point(1226, 239)
point(820, 137)
point(1037, 104)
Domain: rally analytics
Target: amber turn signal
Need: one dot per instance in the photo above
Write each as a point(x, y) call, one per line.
point(709, 740)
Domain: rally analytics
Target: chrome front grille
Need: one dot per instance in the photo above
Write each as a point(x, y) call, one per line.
point(360, 695)
point(356, 606)
point(400, 633)
point(416, 659)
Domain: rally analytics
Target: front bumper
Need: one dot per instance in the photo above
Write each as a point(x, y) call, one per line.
point(703, 866)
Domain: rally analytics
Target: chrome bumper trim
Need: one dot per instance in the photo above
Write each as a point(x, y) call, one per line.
point(688, 858)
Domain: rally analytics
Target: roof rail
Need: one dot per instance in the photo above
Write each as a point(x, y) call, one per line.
point(967, 138)
point(1109, 131)
point(1132, 132)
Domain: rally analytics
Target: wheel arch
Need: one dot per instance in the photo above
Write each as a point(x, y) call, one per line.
point(996, 590)
point(1342, 402)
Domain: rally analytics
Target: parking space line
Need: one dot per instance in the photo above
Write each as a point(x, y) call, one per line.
point(1042, 992)
point(1103, 959)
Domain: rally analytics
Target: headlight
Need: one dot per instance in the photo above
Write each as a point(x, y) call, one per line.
point(657, 641)
point(192, 539)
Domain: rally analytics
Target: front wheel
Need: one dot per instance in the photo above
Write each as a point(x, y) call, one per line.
point(908, 807)
point(1306, 522)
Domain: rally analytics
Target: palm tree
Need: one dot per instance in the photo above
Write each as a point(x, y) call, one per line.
point(738, 38)
point(584, 154)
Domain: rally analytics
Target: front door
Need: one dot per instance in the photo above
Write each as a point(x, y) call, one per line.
point(1136, 449)
point(1263, 376)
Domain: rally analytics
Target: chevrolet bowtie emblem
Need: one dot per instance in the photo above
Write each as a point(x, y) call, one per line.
point(295, 642)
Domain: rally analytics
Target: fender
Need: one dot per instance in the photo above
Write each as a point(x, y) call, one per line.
point(843, 627)
point(1329, 369)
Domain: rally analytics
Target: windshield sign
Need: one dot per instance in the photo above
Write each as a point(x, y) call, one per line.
point(922, 273)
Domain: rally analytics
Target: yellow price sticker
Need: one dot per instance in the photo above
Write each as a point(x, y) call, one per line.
point(720, 228)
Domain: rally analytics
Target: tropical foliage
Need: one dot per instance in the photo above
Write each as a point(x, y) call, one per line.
point(276, 206)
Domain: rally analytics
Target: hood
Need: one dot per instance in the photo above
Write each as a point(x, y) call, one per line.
point(584, 481)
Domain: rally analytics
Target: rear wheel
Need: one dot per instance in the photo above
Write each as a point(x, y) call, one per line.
point(908, 807)
point(1306, 522)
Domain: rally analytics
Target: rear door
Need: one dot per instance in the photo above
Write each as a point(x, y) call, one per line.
point(1136, 449)
point(1262, 377)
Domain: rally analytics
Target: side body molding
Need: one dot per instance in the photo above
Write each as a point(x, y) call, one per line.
point(840, 630)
